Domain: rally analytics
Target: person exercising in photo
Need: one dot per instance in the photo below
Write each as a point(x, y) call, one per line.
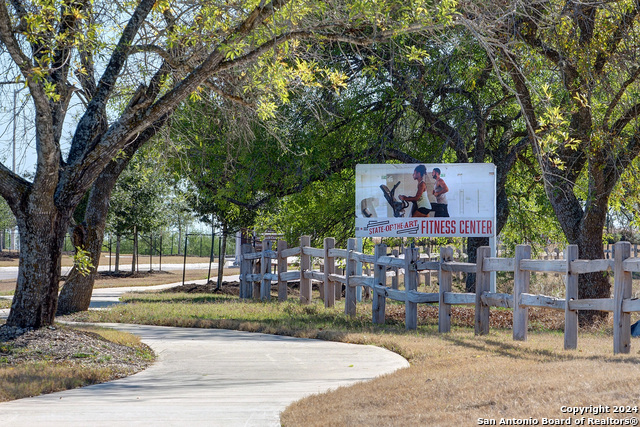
point(440, 189)
point(421, 205)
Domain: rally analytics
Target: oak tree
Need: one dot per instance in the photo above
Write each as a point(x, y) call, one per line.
point(132, 64)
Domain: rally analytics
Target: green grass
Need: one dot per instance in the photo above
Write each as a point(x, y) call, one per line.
point(224, 312)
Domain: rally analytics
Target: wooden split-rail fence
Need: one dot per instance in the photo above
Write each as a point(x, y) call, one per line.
point(256, 278)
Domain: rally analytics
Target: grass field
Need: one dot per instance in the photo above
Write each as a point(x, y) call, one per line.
point(454, 379)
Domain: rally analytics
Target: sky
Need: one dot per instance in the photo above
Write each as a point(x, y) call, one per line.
point(24, 132)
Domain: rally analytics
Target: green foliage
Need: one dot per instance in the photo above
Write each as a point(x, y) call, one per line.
point(574, 70)
point(7, 219)
point(532, 220)
point(322, 209)
point(82, 261)
point(138, 199)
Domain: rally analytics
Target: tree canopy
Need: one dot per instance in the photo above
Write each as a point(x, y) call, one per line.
point(131, 65)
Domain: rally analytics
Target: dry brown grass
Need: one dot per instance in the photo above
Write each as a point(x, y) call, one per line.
point(456, 378)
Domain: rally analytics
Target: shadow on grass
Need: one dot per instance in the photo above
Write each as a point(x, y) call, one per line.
point(517, 350)
point(177, 298)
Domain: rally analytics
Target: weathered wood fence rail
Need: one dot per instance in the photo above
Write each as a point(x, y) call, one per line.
point(256, 278)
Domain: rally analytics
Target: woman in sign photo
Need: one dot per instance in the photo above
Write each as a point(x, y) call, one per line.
point(421, 205)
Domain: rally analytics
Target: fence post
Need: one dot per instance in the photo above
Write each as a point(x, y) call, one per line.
point(265, 270)
point(329, 268)
point(483, 284)
point(410, 284)
point(394, 278)
point(245, 269)
point(520, 286)
point(444, 277)
point(621, 291)
point(255, 284)
point(350, 291)
point(282, 268)
point(571, 293)
point(305, 265)
point(379, 301)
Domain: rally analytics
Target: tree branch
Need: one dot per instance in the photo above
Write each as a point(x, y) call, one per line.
point(616, 99)
point(87, 161)
point(228, 96)
point(628, 115)
point(85, 130)
point(626, 21)
point(13, 188)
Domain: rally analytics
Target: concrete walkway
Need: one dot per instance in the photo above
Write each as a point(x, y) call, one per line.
point(208, 377)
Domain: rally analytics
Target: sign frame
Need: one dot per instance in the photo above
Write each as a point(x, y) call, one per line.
point(470, 201)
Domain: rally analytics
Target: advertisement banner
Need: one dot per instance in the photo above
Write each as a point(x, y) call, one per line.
point(426, 200)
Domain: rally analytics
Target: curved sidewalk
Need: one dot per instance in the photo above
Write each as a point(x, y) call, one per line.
point(208, 377)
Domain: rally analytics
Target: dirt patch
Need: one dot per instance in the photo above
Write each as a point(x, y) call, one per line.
point(62, 344)
point(227, 288)
point(6, 255)
point(231, 288)
point(103, 275)
point(465, 317)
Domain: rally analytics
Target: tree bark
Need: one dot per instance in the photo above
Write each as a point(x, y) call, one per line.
point(42, 231)
point(118, 239)
point(76, 292)
point(587, 234)
point(134, 255)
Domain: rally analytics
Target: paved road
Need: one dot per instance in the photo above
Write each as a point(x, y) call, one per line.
point(7, 273)
point(208, 377)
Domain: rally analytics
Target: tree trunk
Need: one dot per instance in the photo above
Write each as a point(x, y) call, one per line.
point(583, 226)
point(134, 255)
point(117, 266)
point(76, 292)
point(473, 243)
point(590, 246)
point(42, 231)
point(221, 255)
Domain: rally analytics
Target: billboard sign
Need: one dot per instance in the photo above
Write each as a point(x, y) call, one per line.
point(417, 200)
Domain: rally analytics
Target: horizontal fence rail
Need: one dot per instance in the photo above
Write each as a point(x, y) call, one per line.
point(257, 276)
